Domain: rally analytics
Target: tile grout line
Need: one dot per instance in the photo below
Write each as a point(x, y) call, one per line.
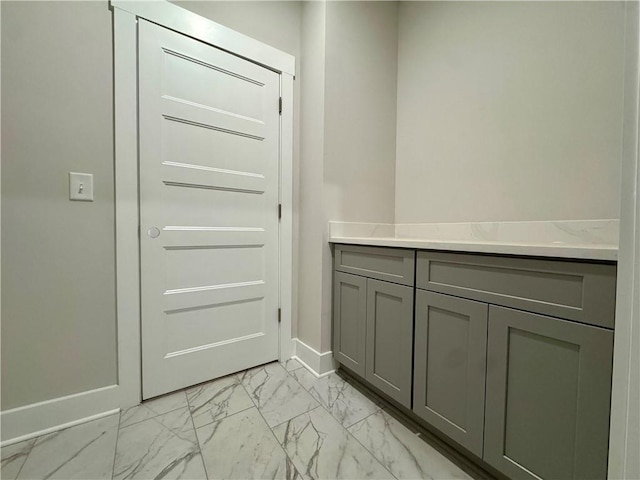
point(271, 428)
point(349, 434)
point(152, 416)
point(304, 389)
point(363, 419)
point(33, 444)
point(115, 449)
point(195, 432)
point(378, 407)
point(296, 380)
point(370, 452)
point(300, 414)
point(222, 418)
point(346, 429)
point(289, 371)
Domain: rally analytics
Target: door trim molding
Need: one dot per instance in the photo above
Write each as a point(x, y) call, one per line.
point(126, 14)
point(183, 21)
point(624, 433)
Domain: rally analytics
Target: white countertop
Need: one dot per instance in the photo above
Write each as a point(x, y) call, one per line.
point(559, 250)
point(584, 239)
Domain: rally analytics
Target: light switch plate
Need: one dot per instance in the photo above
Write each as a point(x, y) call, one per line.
point(81, 186)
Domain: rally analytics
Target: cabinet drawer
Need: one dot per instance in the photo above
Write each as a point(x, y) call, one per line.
point(584, 292)
point(390, 264)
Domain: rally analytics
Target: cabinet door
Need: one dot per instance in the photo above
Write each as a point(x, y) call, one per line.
point(389, 339)
point(450, 366)
point(548, 396)
point(350, 321)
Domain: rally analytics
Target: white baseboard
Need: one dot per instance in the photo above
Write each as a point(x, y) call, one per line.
point(320, 364)
point(37, 419)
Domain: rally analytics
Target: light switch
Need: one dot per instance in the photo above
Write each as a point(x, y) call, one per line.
point(81, 186)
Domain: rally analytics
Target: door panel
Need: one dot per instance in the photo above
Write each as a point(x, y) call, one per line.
point(189, 79)
point(185, 144)
point(450, 363)
point(389, 339)
point(350, 320)
point(209, 133)
point(210, 321)
point(192, 206)
point(548, 396)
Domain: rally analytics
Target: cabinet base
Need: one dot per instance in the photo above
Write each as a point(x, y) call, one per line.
point(465, 460)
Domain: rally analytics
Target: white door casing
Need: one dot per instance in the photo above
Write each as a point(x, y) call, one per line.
point(34, 420)
point(209, 154)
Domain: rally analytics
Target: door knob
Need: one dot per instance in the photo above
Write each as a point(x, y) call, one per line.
point(153, 232)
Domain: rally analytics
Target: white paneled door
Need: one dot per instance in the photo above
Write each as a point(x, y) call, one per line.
point(209, 149)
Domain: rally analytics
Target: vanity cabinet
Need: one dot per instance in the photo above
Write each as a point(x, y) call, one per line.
point(389, 339)
point(373, 317)
point(450, 366)
point(512, 357)
point(539, 333)
point(548, 396)
point(349, 320)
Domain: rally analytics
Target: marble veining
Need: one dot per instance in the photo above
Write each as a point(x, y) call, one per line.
point(355, 229)
point(218, 399)
point(574, 232)
point(284, 432)
point(242, 446)
point(164, 446)
point(343, 401)
point(82, 452)
point(579, 239)
point(321, 449)
point(13, 457)
point(276, 394)
point(291, 365)
point(402, 451)
point(591, 232)
point(153, 408)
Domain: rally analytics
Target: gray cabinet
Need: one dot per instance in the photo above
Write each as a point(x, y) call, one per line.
point(350, 321)
point(512, 357)
point(580, 291)
point(395, 265)
point(389, 339)
point(548, 396)
point(449, 369)
point(373, 316)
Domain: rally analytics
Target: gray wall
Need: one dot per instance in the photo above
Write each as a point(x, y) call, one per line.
point(359, 123)
point(58, 278)
point(312, 215)
point(360, 118)
point(348, 119)
point(58, 274)
point(506, 111)
point(509, 111)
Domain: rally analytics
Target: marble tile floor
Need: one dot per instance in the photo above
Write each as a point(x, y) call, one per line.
point(273, 421)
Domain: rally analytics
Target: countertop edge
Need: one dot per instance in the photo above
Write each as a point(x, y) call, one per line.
point(574, 252)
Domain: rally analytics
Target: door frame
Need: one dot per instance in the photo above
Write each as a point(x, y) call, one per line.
point(128, 291)
point(624, 433)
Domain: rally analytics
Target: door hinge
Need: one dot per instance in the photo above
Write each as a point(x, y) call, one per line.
point(280, 106)
point(279, 211)
point(279, 315)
